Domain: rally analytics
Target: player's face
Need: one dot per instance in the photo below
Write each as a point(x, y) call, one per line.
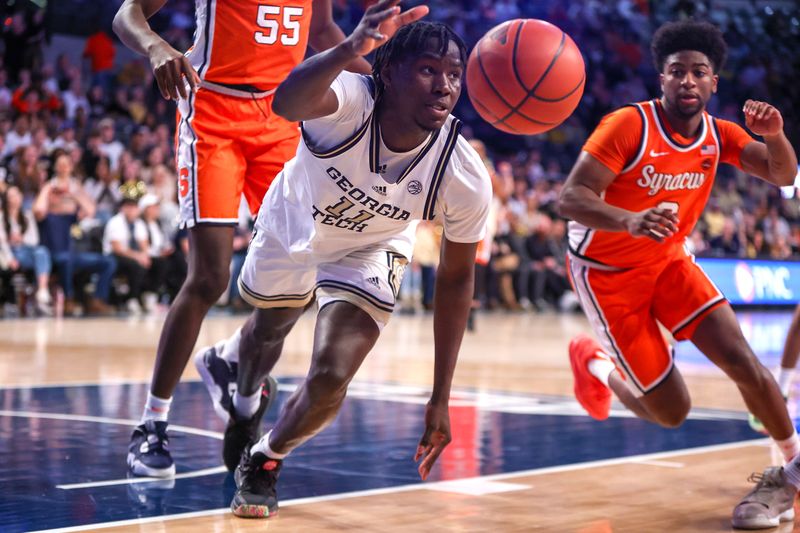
point(688, 81)
point(429, 86)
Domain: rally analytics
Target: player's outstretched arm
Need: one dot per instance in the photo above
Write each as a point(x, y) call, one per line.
point(774, 160)
point(325, 33)
point(171, 68)
point(455, 283)
point(580, 201)
point(306, 94)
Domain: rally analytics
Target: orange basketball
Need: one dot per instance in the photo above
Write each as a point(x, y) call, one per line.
point(525, 76)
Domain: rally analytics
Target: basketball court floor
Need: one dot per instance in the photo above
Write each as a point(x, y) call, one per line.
point(524, 457)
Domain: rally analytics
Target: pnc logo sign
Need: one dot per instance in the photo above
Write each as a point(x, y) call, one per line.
point(757, 283)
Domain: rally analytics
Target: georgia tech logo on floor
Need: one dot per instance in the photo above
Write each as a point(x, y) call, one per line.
point(414, 187)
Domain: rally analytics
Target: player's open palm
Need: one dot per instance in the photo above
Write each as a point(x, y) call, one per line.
point(435, 439)
point(380, 22)
point(762, 118)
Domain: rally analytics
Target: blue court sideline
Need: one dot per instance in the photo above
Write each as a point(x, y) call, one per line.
point(369, 446)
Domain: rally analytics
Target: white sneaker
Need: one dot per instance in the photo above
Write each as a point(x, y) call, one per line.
point(150, 302)
point(133, 307)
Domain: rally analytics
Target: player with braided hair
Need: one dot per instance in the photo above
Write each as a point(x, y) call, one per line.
point(378, 154)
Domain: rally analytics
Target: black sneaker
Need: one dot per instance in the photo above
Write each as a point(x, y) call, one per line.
point(219, 377)
point(255, 478)
point(243, 431)
point(148, 452)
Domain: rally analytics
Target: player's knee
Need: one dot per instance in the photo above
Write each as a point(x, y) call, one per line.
point(673, 418)
point(327, 382)
point(208, 286)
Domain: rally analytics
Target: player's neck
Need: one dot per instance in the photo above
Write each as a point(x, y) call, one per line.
point(399, 131)
point(680, 124)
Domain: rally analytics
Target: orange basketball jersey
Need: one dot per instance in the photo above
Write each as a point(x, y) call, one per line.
point(249, 42)
point(655, 167)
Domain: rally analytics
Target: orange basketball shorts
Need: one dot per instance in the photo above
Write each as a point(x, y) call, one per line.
point(227, 145)
point(625, 307)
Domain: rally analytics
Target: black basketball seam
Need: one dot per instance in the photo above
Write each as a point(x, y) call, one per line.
point(515, 109)
point(500, 96)
point(478, 103)
point(514, 57)
point(542, 99)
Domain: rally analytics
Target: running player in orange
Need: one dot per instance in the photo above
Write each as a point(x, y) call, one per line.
point(635, 193)
point(229, 143)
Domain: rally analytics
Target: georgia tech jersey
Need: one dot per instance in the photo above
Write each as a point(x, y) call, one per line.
point(249, 42)
point(330, 201)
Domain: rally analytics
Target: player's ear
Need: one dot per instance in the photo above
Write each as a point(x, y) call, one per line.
point(387, 75)
point(715, 81)
point(661, 81)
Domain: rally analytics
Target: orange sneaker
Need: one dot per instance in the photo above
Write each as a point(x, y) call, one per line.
point(590, 392)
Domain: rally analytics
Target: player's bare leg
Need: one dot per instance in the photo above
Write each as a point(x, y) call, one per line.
point(719, 337)
point(210, 250)
point(259, 348)
point(343, 337)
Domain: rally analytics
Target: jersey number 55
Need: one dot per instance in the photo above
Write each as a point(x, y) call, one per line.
point(278, 21)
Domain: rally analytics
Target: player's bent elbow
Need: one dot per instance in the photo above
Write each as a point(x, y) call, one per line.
point(565, 204)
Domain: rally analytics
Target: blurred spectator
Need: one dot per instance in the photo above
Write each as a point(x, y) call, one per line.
point(103, 188)
point(167, 272)
point(109, 145)
point(22, 250)
point(125, 238)
point(60, 205)
point(100, 51)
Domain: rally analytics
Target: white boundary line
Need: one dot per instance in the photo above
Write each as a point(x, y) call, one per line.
point(425, 486)
point(135, 480)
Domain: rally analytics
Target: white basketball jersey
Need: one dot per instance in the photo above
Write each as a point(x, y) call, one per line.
point(327, 203)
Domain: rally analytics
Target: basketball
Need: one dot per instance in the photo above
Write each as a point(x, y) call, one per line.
point(525, 76)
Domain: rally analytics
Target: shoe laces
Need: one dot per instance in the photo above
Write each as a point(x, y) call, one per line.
point(157, 439)
point(768, 479)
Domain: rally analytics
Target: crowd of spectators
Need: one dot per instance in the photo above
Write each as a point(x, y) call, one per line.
point(88, 183)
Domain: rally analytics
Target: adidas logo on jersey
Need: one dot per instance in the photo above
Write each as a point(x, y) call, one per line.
point(381, 169)
point(374, 281)
point(380, 189)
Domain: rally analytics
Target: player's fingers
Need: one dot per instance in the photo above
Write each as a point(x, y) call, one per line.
point(169, 82)
point(161, 82)
point(176, 68)
point(191, 76)
point(376, 18)
point(430, 460)
point(412, 15)
point(380, 6)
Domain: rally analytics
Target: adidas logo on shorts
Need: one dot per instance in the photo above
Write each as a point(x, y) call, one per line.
point(380, 189)
point(374, 281)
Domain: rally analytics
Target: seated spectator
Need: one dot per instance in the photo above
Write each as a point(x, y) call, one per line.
point(125, 238)
point(61, 203)
point(728, 243)
point(167, 266)
point(22, 237)
point(103, 188)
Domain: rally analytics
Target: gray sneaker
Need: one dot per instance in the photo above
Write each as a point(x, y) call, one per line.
point(768, 504)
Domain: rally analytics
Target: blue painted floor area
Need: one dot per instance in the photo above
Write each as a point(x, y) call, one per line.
point(369, 446)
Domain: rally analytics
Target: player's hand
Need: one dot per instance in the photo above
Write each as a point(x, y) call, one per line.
point(379, 23)
point(762, 118)
point(172, 70)
point(435, 439)
point(657, 224)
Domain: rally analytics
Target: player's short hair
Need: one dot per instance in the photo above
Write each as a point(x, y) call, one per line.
point(411, 41)
point(693, 35)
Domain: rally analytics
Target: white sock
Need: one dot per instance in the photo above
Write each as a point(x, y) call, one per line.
point(601, 367)
point(790, 447)
point(246, 406)
point(263, 446)
point(230, 352)
point(156, 408)
point(785, 377)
